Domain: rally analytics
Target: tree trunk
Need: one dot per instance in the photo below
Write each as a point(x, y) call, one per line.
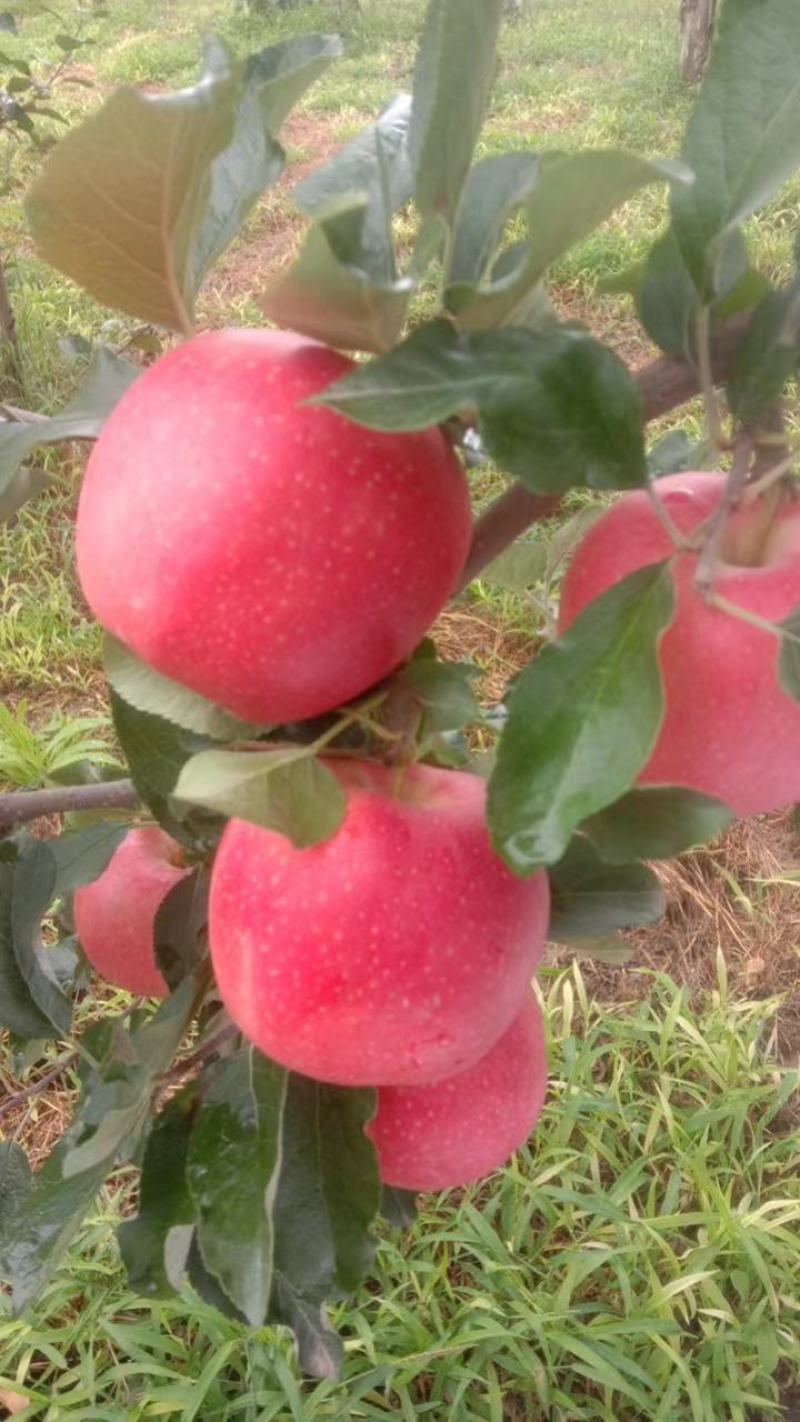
point(697, 32)
point(10, 358)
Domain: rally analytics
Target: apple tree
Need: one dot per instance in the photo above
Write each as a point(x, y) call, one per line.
point(335, 891)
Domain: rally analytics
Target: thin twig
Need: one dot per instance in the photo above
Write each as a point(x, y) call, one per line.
point(22, 805)
point(706, 374)
point(27, 1092)
point(734, 488)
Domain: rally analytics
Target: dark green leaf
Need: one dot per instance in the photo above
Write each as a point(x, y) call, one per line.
point(495, 189)
point(444, 691)
point(21, 65)
point(789, 656)
point(19, 488)
point(146, 689)
point(234, 1154)
point(743, 138)
point(271, 83)
point(180, 927)
point(43, 1224)
point(590, 898)
point(767, 357)
point(655, 822)
point(19, 84)
point(667, 301)
point(106, 380)
point(69, 43)
point(375, 164)
point(611, 949)
point(15, 1183)
point(582, 721)
point(156, 752)
point(154, 1245)
point(209, 1288)
point(556, 409)
point(31, 1002)
point(82, 855)
point(7, 22)
point(454, 72)
point(288, 791)
point(674, 452)
point(328, 292)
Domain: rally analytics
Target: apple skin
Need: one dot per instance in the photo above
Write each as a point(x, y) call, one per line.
point(729, 729)
point(396, 952)
point(454, 1132)
point(115, 915)
point(272, 556)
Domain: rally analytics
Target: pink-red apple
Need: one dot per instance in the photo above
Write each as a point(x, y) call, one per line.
point(269, 554)
point(115, 915)
point(436, 1137)
point(396, 952)
point(729, 729)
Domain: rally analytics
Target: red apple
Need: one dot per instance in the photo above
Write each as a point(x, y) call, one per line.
point(273, 556)
point(729, 729)
point(115, 915)
point(435, 1137)
point(396, 952)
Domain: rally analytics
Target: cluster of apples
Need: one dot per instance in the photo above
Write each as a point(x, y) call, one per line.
point(280, 560)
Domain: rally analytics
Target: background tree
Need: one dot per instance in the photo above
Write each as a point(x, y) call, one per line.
point(696, 34)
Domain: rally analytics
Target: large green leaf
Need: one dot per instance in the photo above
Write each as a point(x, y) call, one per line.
point(139, 200)
point(106, 380)
point(495, 188)
point(31, 1002)
point(556, 409)
point(582, 721)
point(329, 293)
point(743, 138)
point(667, 300)
point(655, 822)
point(154, 1245)
point(271, 83)
point(288, 791)
point(156, 751)
point(142, 687)
point(82, 855)
point(768, 356)
point(454, 72)
point(376, 165)
point(573, 194)
point(590, 898)
point(181, 927)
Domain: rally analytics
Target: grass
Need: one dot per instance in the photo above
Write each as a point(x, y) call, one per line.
point(638, 1261)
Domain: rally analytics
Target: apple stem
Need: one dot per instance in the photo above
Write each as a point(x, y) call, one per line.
point(734, 488)
point(22, 805)
point(678, 539)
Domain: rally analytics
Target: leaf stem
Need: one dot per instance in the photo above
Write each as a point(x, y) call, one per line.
point(734, 488)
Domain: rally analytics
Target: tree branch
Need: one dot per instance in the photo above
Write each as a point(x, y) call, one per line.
point(22, 805)
point(664, 384)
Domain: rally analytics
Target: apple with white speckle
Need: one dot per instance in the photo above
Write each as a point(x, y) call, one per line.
point(115, 915)
point(268, 554)
point(729, 729)
point(398, 951)
point(458, 1130)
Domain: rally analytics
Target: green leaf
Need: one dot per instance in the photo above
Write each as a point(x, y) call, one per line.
point(271, 83)
point(121, 200)
point(526, 563)
point(328, 292)
point(398, 1207)
point(31, 1002)
point(154, 1246)
point(106, 381)
point(288, 791)
point(81, 856)
point(574, 193)
point(667, 301)
point(156, 751)
point(582, 721)
point(674, 452)
point(444, 691)
point(789, 654)
point(376, 165)
point(610, 949)
point(19, 488)
point(118, 1091)
point(768, 356)
point(743, 138)
point(44, 1223)
point(655, 822)
point(454, 73)
point(181, 927)
point(142, 687)
point(590, 898)
point(495, 189)
point(234, 1153)
point(556, 409)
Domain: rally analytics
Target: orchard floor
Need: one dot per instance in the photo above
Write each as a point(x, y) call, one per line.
point(642, 1259)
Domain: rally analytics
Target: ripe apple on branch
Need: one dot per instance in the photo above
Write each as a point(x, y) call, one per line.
point(340, 892)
